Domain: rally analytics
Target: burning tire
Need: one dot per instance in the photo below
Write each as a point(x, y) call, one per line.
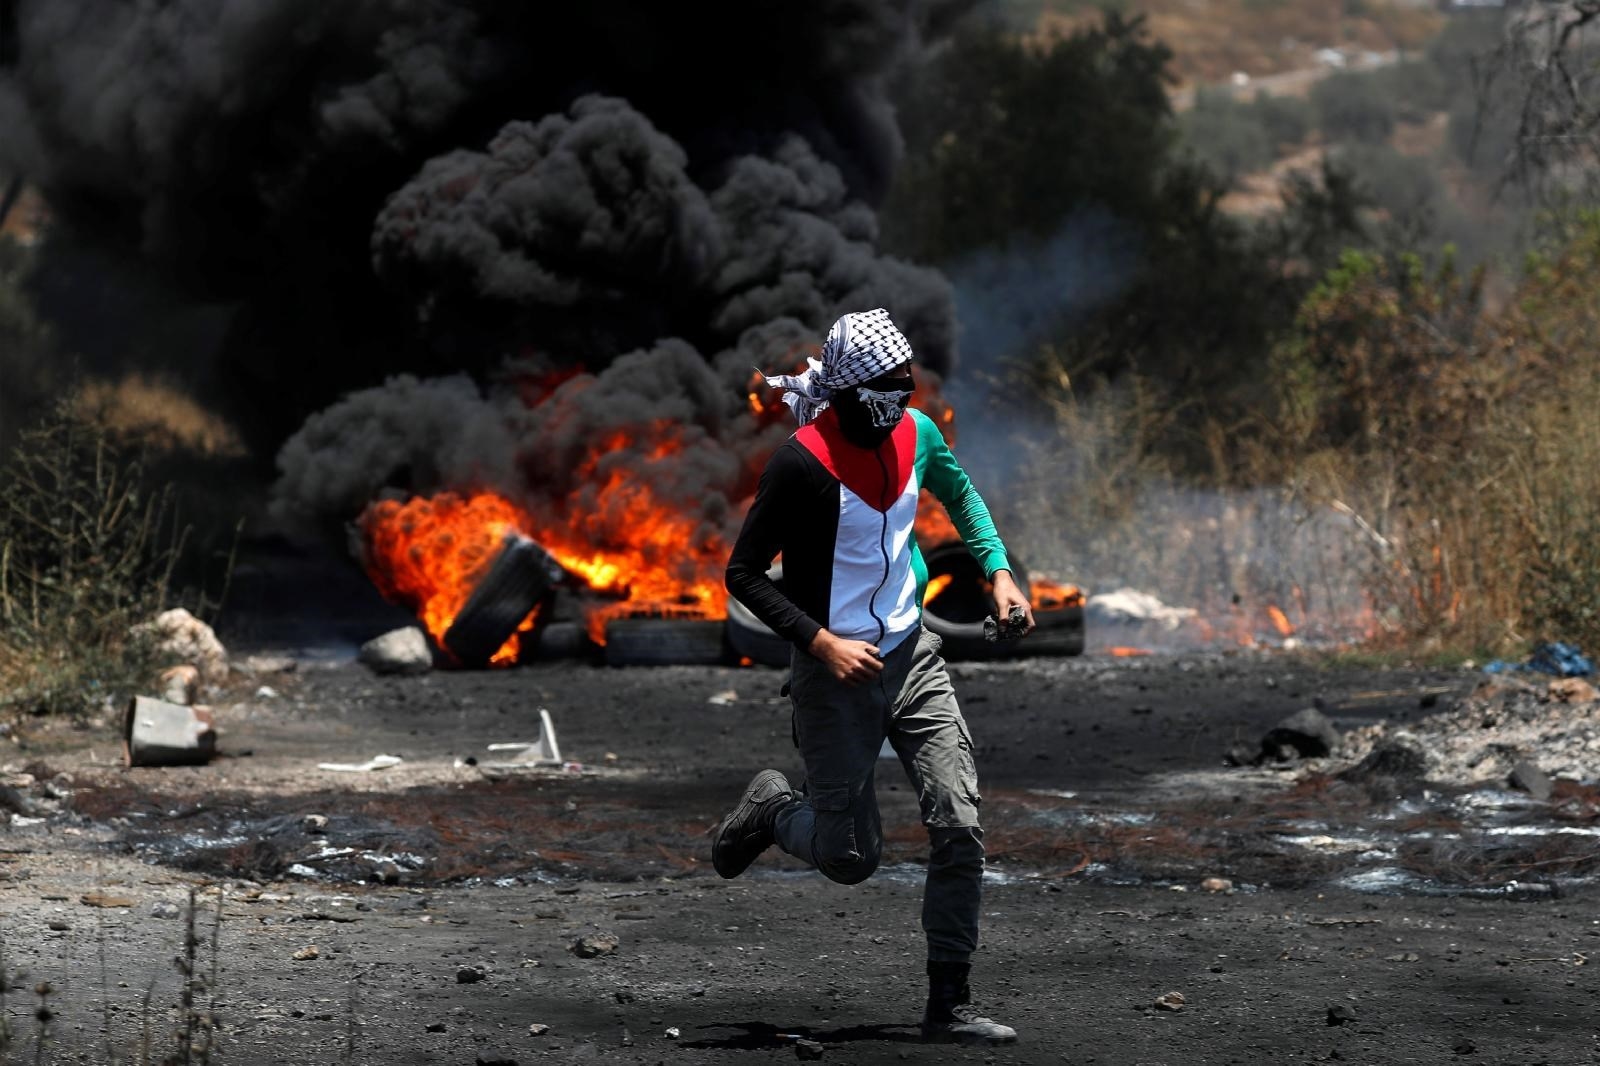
point(516, 584)
point(557, 640)
point(666, 642)
point(958, 606)
point(753, 639)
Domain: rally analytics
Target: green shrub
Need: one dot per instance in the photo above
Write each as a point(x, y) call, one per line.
point(1352, 106)
point(1418, 89)
point(1227, 137)
point(1462, 437)
point(1287, 120)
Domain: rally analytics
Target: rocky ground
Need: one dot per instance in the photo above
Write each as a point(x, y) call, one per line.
point(445, 910)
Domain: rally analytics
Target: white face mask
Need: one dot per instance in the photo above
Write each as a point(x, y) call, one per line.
point(884, 408)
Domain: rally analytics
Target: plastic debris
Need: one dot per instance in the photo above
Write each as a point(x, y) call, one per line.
point(1562, 660)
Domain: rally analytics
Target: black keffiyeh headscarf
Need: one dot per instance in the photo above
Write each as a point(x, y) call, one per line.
point(860, 346)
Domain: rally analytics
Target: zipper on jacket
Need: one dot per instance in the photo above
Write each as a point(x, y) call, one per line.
point(883, 549)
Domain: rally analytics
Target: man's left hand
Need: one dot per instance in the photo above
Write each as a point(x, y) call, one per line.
point(1008, 595)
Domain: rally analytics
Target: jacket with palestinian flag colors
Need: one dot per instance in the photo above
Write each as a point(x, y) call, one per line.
point(842, 517)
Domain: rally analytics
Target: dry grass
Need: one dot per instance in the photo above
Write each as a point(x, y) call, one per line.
point(88, 550)
point(158, 414)
point(1428, 477)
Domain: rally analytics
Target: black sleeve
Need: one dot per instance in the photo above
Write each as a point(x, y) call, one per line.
point(769, 521)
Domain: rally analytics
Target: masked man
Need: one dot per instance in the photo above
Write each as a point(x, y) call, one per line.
point(838, 499)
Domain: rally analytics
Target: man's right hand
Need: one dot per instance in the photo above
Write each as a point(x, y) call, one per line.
point(849, 661)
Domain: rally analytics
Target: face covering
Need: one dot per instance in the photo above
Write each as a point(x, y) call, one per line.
point(885, 409)
point(868, 416)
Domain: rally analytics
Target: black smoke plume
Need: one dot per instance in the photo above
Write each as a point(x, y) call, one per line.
point(390, 187)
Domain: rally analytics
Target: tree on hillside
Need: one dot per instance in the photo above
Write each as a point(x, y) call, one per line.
point(1010, 147)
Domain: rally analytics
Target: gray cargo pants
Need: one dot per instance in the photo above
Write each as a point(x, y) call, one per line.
point(836, 826)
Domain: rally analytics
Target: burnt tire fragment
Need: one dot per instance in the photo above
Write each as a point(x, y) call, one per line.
point(666, 642)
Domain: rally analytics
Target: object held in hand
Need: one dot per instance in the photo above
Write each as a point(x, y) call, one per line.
point(1014, 626)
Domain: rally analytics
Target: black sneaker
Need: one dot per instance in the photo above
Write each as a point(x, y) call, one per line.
point(962, 1024)
point(747, 830)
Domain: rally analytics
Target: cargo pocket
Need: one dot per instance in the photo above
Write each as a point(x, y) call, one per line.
point(836, 829)
point(967, 768)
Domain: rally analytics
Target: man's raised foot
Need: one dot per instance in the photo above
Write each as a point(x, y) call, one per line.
point(747, 830)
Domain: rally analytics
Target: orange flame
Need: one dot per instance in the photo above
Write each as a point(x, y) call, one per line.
point(614, 534)
point(937, 585)
point(429, 554)
point(1280, 621)
point(1126, 653)
point(1050, 595)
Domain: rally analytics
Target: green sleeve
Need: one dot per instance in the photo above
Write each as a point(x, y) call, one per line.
point(942, 475)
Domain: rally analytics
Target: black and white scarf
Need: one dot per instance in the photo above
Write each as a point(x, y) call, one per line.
point(860, 346)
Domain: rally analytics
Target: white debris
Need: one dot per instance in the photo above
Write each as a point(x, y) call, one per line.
point(377, 762)
point(1130, 606)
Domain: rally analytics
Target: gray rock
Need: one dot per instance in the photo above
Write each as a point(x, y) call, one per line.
point(594, 945)
point(808, 1049)
point(1396, 765)
point(400, 651)
point(1527, 777)
point(1241, 755)
point(1339, 1014)
point(1308, 731)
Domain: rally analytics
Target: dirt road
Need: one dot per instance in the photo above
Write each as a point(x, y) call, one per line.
point(443, 899)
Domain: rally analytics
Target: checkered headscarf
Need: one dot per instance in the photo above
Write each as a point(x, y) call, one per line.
point(860, 346)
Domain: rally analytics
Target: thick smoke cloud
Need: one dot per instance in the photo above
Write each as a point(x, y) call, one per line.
point(440, 187)
point(587, 232)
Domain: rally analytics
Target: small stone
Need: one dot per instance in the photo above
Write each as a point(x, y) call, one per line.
point(314, 824)
point(104, 900)
point(306, 953)
point(1217, 884)
point(594, 945)
point(538, 1029)
point(808, 1050)
point(1339, 1014)
point(57, 925)
point(1464, 1046)
point(1170, 1001)
point(1572, 690)
point(165, 909)
point(400, 651)
point(434, 1027)
point(1241, 755)
point(672, 1033)
point(470, 975)
point(1527, 777)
